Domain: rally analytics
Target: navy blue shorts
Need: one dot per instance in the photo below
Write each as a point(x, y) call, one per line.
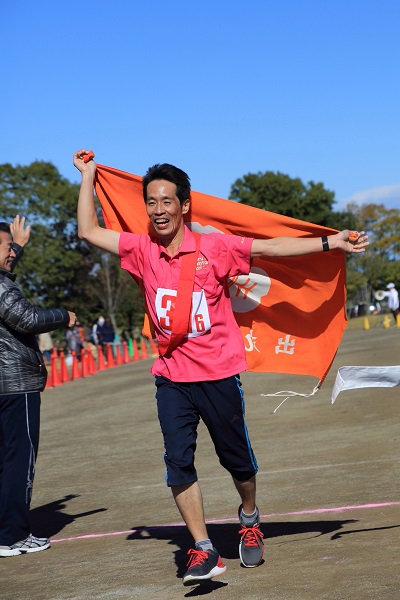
point(220, 404)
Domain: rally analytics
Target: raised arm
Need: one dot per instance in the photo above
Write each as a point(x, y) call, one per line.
point(88, 224)
point(20, 235)
point(290, 246)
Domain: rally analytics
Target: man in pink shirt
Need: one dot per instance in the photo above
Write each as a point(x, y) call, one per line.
point(210, 351)
point(197, 374)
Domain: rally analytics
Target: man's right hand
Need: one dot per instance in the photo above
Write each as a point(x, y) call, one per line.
point(72, 319)
point(81, 165)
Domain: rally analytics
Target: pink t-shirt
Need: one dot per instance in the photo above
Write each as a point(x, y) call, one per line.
point(213, 348)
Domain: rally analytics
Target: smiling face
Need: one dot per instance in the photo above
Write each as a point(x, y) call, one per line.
point(6, 251)
point(165, 211)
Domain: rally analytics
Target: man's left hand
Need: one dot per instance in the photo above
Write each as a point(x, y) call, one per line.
point(20, 233)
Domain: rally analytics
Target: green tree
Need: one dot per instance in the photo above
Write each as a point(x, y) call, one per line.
point(114, 291)
point(381, 262)
point(279, 193)
point(57, 268)
point(311, 202)
point(54, 267)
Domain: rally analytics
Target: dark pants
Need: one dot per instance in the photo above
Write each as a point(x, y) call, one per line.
point(19, 442)
point(220, 404)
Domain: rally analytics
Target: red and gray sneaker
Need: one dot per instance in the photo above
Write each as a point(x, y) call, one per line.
point(203, 564)
point(251, 546)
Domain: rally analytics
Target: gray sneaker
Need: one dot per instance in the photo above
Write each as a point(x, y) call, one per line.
point(251, 546)
point(29, 544)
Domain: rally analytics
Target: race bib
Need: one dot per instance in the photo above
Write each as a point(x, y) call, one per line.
point(199, 322)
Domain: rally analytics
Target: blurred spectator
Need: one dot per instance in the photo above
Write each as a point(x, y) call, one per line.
point(126, 335)
point(105, 333)
point(84, 332)
point(45, 345)
point(94, 336)
point(74, 341)
point(393, 299)
point(361, 309)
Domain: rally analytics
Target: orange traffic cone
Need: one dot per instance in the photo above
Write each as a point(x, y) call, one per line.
point(63, 368)
point(55, 377)
point(91, 363)
point(120, 360)
point(125, 352)
point(154, 349)
point(144, 349)
point(110, 358)
point(75, 374)
point(135, 351)
point(100, 359)
point(84, 363)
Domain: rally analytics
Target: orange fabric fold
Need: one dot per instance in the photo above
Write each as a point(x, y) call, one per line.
point(291, 311)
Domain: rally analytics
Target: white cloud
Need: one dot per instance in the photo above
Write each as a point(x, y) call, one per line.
point(389, 195)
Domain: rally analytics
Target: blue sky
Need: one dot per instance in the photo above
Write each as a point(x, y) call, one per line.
point(221, 89)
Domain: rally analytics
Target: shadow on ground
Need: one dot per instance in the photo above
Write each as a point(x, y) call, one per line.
point(225, 536)
point(49, 519)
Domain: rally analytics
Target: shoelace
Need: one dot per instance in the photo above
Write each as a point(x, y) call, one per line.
point(251, 535)
point(197, 557)
point(29, 542)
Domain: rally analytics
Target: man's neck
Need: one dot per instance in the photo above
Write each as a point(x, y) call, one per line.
point(172, 245)
point(8, 274)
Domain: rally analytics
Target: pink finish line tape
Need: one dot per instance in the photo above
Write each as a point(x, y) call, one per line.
point(316, 511)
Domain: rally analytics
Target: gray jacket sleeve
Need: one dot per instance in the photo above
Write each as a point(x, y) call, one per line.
point(18, 314)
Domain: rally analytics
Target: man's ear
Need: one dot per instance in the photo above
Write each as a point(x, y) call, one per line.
point(185, 206)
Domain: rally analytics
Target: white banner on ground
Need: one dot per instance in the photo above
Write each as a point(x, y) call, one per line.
point(350, 378)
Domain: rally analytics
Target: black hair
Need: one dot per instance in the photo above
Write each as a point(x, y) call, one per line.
point(169, 173)
point(5, 227)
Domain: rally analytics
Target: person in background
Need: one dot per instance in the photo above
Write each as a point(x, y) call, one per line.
point(46, 345)
point(73, 339)
point(23, 376)
point(105, 333)
point(93, 336)
point(393, 299)
point(126, 335)
point(84, 332)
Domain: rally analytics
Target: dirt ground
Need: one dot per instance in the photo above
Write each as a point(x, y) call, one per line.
point(328, 490)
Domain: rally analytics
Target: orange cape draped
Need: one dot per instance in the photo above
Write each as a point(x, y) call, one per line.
point(291, 311)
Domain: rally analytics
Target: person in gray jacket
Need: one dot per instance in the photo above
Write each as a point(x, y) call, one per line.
point(23, 376)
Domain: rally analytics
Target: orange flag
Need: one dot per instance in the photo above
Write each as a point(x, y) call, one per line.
point(291, 311)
